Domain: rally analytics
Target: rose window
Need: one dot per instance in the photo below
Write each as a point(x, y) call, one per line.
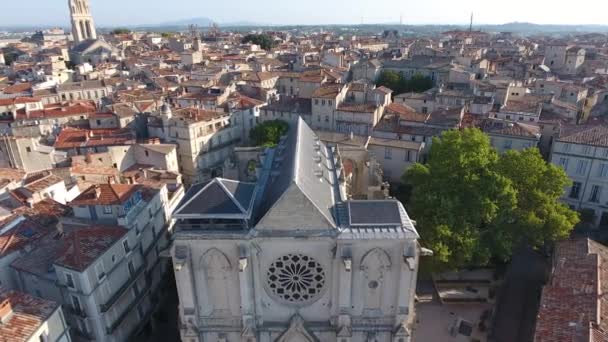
point(296, 278)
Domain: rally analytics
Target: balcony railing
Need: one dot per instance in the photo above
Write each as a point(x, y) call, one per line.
point(128, 219)
point(132, 279)
point(128, 310)
point(76, 312)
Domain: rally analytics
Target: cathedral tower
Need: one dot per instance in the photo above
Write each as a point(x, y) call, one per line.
point(83, 27)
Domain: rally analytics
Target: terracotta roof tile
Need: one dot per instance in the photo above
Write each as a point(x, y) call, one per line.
point(84, 246)
point(28, 315)
point(105, 194)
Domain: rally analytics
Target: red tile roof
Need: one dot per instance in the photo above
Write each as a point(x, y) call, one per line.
point(75, 137)
point(84, 246)
point(574, 306)
point(25, 231)
point(18, 88)
point(105, 194)
point(28, 315)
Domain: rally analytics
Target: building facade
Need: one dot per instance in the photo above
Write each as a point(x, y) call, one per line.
point(289, 259)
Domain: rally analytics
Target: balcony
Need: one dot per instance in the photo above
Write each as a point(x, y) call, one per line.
point(123, 315)
point(132, 279)
point(76, 312)
point(130, 218)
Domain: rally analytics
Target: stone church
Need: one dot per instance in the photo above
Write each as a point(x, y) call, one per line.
point(290, 258)
point(86, 47)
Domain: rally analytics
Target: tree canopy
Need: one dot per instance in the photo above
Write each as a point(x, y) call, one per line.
point(263, 40)
point(268, 133)
point(473, 205)
point(400, 84)
point(118, 31)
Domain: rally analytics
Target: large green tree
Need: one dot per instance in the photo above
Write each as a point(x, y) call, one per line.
point(268, 133)
point(473, 205)
point(539, 216)
point(399, 84)
point(457, 196)
point(263, 40)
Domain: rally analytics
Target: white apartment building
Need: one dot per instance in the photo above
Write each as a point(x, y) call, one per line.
point(583, 154)
point(104, 265)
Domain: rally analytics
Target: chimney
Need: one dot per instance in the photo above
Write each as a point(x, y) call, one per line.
point(6, 310)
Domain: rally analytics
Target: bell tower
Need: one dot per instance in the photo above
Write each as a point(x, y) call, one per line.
point(83, 27)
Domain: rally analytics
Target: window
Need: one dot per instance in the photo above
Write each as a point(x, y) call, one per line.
point(69, 281)
point(603, 170)
point(388, 153)
point(407, 155)
point(322, 102)
point(317, 102)
point(28, 149)
point(508, 117)
point(326, 118)
point(575, 190)
point(586, 149)
point(604, 220)
point(76, 304)
point(596, 191)
point(581, 167)
point(98, 122)
point(563, 162)
point(425, 110)
point(147, 153)
point(107, 209)
point(125, 245)
point(99, 270)
point(329, 102)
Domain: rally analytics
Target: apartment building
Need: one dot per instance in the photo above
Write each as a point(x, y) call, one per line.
point(582, 151)
point(104, 263)
point(29, 319)
point(204, 139)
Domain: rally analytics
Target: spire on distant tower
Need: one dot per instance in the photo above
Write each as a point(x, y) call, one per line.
point(83, 27)
point(471, 25)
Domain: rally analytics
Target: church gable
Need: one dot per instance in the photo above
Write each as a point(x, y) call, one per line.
point(294, 210)
point(297, 332)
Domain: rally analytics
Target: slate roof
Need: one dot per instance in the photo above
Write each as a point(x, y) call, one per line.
point(218, 197)
point(373, 213)
point(296, 167)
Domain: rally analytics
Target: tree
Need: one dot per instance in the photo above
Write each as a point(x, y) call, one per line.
point(268, 133)
point(539, 216)
point(389, 79)
point(457, 196)
point(400, 84)
point(118, 31)
point(263, 40)
point(473, 205)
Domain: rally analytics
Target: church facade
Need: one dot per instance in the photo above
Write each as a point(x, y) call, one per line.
point(86, 48)
point(290, 258)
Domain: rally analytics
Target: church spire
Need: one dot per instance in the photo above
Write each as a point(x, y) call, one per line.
point(83, 27)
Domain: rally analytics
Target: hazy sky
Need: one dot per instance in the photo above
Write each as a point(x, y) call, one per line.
point(137, 12)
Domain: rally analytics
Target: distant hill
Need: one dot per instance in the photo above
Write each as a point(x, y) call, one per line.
point(200, 21)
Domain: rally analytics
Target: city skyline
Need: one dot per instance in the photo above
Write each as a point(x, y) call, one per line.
point(314, 12)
